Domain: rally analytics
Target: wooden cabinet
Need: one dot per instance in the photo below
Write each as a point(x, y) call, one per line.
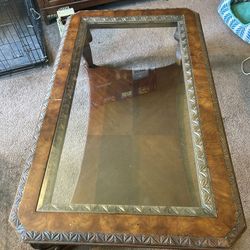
point(48, 8)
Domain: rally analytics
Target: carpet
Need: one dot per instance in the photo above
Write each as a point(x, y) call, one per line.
point(22, 95)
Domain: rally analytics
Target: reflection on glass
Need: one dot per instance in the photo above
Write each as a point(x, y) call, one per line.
point(128, 140)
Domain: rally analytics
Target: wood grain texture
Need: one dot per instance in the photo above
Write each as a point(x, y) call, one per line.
point(204, 227)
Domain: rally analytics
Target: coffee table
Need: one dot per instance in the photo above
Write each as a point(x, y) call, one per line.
point(133, 154)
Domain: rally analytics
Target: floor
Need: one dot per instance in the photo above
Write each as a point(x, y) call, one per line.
point(22, 95)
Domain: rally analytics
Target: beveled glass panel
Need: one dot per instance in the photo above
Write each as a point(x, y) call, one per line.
point(129, 145)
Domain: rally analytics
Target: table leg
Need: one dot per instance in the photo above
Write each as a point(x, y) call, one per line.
point(178, 50)
point(87, 51)
point(57, 247)
point(47, 246)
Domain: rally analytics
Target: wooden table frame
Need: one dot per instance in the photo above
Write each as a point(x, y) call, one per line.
point(219, 230)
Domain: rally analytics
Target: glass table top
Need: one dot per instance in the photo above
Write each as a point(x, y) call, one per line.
point(128, 140)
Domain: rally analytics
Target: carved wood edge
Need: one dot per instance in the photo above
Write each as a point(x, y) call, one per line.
point(240, 225)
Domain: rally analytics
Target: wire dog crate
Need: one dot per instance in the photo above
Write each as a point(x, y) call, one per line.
point(21, 40)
